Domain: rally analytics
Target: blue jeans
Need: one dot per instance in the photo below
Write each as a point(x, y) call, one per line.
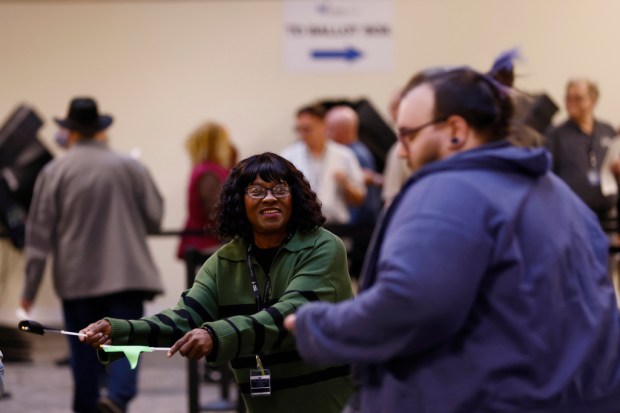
point(122, 382)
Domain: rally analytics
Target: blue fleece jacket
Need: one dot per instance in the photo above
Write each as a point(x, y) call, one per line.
point(487, 291)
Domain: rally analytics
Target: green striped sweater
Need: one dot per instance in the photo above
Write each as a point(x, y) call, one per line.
point(309, 267)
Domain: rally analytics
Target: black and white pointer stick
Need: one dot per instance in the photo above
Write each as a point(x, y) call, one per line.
point(34, 327)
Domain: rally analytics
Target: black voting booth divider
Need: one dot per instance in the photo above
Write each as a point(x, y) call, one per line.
point(374, 132)
point(22, 156)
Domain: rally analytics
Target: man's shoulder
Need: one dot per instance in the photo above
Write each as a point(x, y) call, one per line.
point(561, 128)
point(605, 128)
point(363, 154)
point(110, 159)
point(455, 186)
point(341, 151)
point(57, 166)
point(294, 149)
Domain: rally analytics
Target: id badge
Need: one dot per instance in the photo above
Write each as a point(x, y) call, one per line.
point(260, 383)
point(594, 178)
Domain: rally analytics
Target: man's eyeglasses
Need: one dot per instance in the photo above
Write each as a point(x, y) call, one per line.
point(259, 192)
point(406, 135)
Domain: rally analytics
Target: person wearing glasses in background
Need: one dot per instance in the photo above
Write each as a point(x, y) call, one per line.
point(579, 146)
point(278, 260)
point(332, 169)
point(486, 289)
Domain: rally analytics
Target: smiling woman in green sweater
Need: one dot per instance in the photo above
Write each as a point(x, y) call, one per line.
point(279, 258)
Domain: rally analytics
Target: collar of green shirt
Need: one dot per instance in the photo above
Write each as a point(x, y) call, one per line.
point(236, 249)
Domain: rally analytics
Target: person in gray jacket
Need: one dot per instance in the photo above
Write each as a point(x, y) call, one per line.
point(92, 210)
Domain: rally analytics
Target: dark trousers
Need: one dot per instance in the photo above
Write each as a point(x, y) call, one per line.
point(87, 371)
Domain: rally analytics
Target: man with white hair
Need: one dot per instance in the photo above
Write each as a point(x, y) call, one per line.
point(341, 126)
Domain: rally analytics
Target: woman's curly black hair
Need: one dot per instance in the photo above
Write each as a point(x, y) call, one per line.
point(231, 218)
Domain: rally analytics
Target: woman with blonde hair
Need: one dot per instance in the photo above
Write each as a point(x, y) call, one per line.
point(212, 156)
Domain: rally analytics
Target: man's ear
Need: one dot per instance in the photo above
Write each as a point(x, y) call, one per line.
point(459, 133)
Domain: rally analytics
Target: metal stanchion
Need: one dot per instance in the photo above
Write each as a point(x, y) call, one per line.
point(193, 261)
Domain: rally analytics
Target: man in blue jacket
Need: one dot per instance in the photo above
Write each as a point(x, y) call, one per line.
point(486, 289)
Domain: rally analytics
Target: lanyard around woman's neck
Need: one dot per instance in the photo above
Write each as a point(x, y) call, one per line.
point(261, 302)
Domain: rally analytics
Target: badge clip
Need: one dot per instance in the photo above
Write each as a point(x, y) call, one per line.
point(260, 380)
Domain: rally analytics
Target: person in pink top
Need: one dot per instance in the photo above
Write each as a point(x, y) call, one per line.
point(212, 156)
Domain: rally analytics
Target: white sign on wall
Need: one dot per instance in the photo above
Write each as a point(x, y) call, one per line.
point(338, 35)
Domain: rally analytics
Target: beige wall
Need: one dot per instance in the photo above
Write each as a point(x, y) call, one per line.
point(162, 67)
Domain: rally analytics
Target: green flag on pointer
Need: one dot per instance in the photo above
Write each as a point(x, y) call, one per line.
point(131, 352)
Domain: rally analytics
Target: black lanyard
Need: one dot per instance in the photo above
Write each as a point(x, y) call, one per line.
point(261, 302)
point(592, 158)
point(592, 155)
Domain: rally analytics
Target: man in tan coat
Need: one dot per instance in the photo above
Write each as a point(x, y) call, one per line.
point(91, 211)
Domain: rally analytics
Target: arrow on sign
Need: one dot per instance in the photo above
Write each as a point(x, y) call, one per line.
point(347, 54)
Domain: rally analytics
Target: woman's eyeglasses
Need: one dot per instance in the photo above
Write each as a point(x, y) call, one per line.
point(259, 192)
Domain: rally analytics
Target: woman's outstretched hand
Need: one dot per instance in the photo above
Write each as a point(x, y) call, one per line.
point(194, 345)
point(97, 333)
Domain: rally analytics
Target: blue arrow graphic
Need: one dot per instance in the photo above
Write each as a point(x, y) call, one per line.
point(347, 54)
